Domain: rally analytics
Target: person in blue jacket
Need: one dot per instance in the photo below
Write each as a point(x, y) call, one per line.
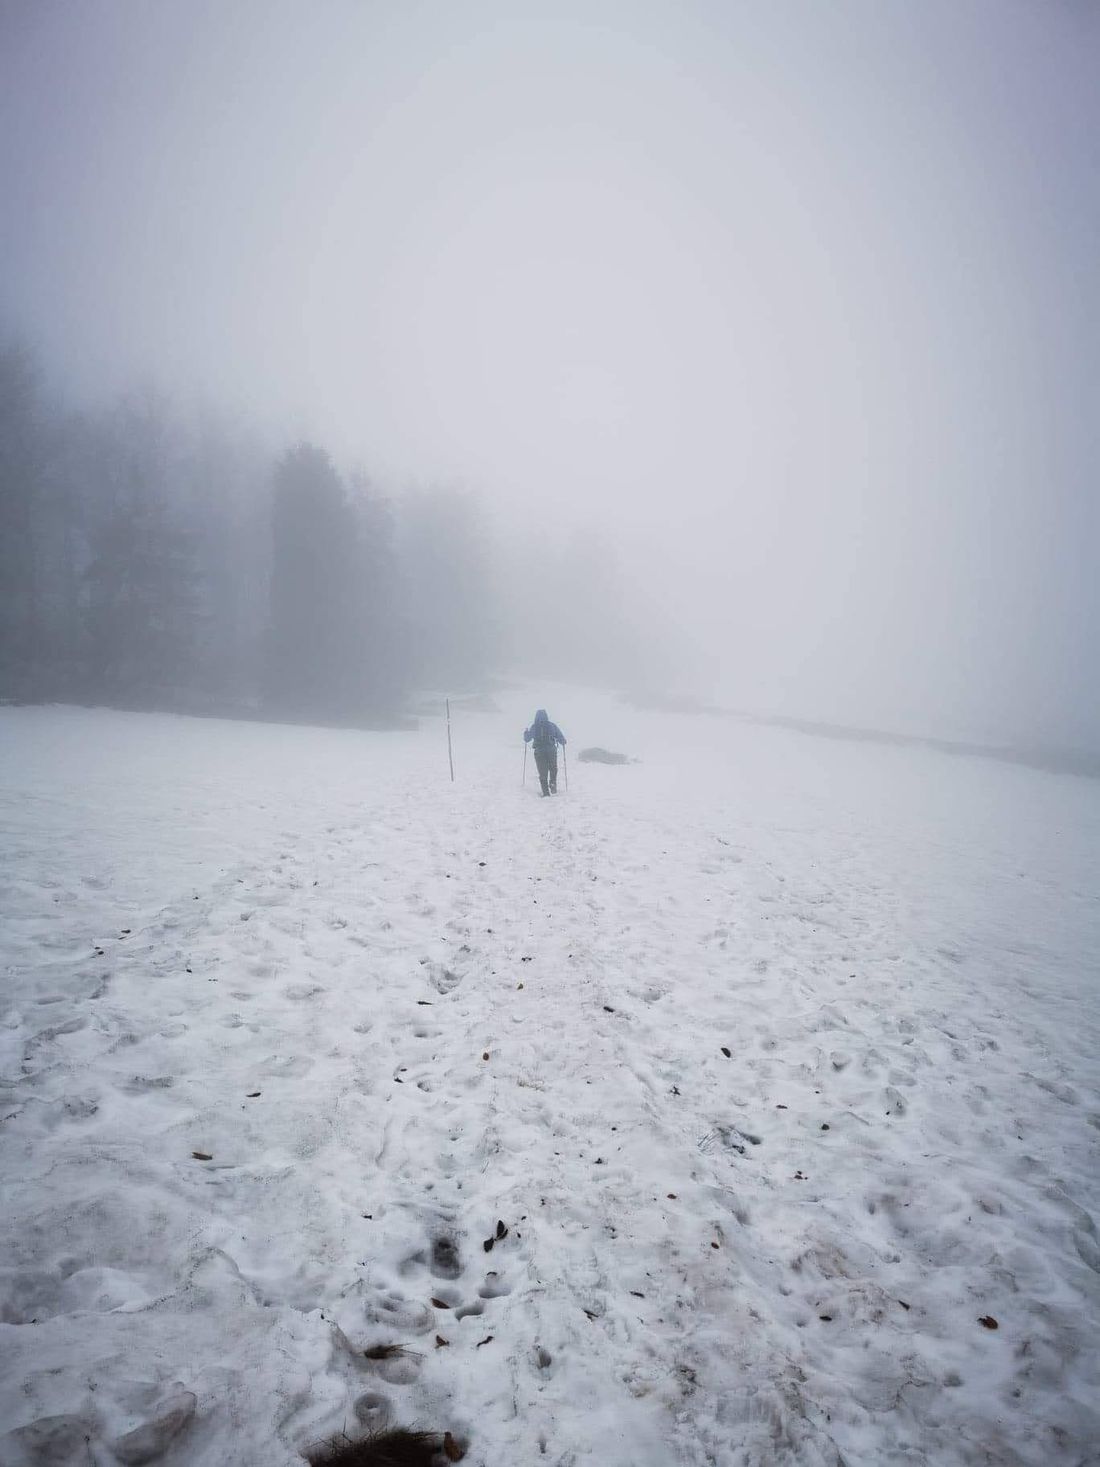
point(544, 738)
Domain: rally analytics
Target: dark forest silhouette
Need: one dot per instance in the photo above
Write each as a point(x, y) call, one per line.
point(155, 559)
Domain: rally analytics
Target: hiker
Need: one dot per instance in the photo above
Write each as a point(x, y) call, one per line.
point(544, 738)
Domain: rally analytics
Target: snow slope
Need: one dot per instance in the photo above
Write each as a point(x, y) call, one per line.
point(776, 1057)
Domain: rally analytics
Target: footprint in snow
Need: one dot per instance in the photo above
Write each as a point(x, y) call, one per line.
point(446, 1262)
point(444, 980)
point(398, 1312)
point(301, 991)
point(495, 1286)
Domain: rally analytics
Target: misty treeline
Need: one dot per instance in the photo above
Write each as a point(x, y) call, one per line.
point(151, 557)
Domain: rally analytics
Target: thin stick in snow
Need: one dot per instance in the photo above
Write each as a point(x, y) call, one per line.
point(450, 755)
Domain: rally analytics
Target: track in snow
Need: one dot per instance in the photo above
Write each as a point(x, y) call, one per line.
point(394, 1013)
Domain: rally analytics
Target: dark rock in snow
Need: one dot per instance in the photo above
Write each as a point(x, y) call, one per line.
point(601, 756)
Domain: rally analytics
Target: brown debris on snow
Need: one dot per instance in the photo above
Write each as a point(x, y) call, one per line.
point(397, 1448)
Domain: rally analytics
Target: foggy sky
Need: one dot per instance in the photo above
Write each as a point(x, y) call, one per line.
point(794, 305)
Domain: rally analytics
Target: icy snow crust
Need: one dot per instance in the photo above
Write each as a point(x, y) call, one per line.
point(464, 1004)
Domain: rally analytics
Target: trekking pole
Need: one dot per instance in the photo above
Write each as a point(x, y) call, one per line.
point(565, 762)
point(524, 766)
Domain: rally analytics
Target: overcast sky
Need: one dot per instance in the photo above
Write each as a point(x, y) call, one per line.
point(797, 304)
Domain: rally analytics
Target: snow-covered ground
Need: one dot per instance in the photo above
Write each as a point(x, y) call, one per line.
point(775, 1056)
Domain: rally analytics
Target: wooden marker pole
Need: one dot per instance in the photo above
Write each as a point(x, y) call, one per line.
point(450, 755)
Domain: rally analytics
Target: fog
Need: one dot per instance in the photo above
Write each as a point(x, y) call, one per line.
point(754, 346)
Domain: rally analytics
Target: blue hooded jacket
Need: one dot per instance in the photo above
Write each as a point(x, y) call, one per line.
point(543, 735)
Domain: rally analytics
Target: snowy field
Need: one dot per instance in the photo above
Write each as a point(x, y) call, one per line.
point(776, 1057)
